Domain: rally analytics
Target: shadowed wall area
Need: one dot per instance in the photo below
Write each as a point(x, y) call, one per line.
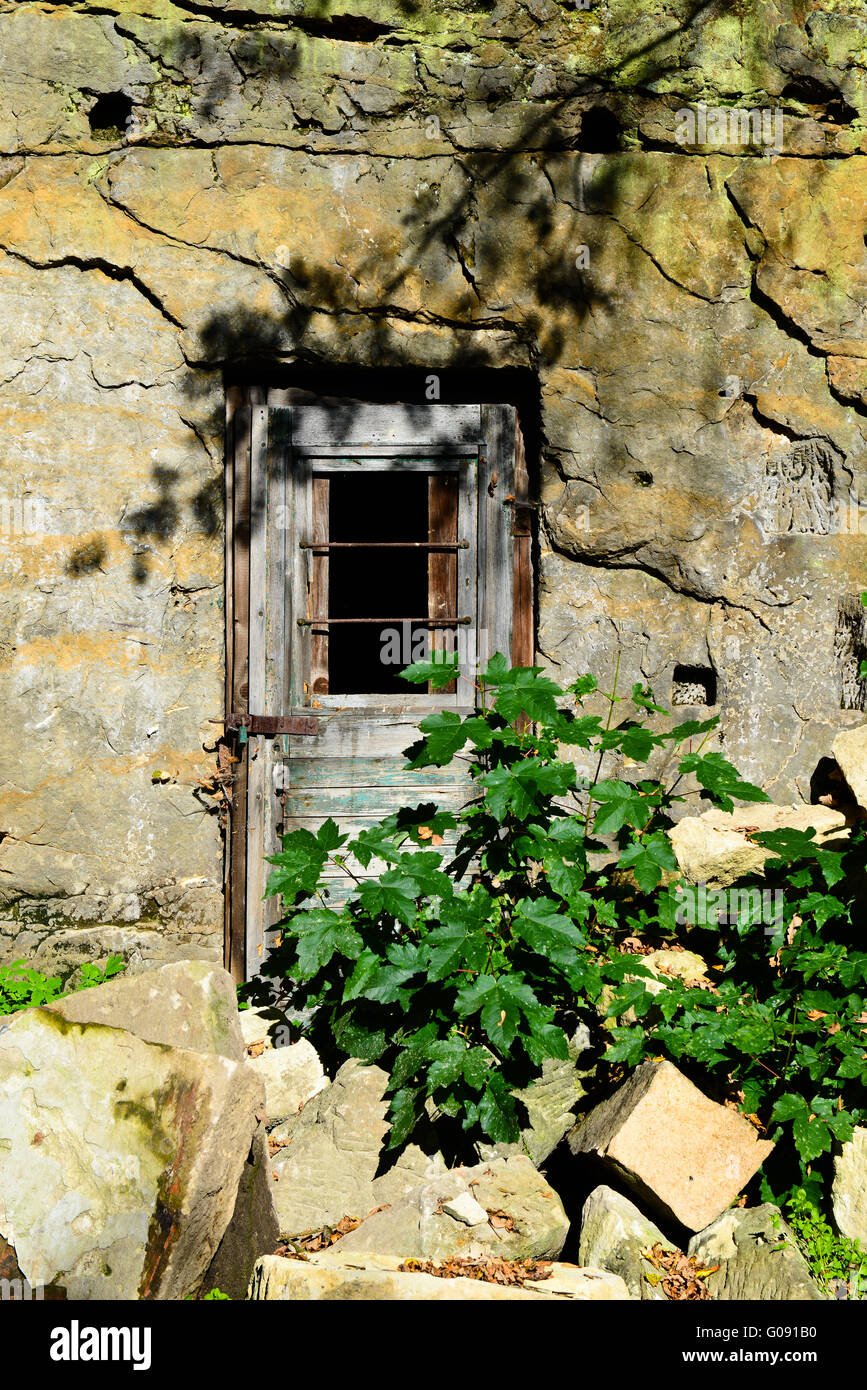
point(272, 191)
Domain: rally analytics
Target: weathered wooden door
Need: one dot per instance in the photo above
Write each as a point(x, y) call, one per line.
point(376, 534)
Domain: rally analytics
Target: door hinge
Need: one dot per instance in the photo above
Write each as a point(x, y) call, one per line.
point(269, 725)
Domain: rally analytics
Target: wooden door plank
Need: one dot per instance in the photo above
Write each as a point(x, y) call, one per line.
point(496, 559)
point(523, 640)
point(340, 772)
point(342, 425)
point(257, 756)
point(235, 956)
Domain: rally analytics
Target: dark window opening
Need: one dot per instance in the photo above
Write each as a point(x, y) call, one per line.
point(391, 590)
point(110, 115)
point(693, 685)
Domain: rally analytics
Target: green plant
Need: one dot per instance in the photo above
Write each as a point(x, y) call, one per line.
point(216, 1295)
point(22, 987)
point(462, 977)
point(786, 1021)
point(833, 1259)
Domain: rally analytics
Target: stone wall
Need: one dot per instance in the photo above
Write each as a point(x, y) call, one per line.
point(185, 187)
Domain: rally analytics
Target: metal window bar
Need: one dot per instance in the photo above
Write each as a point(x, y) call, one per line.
point(384, 545)
point(419, 622)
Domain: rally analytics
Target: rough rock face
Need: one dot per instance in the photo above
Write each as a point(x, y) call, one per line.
point(190, 1004)
point(253, 1229)
point(613, 1235)
point(119, 1159)
point(503, 1208)
point(426, 187)
point(850, 750)
point(327, 1169)
point(685, 1155)
point(292, 1076)
point(758, 1257)
point(714, 849)
point(849, 1190)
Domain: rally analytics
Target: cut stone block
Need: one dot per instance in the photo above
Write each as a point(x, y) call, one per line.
point(686, 1156)
point(372, 1277)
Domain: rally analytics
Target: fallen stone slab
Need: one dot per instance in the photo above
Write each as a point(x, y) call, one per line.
point(685, 1156)
point(849, 1188)
point(292, 1076)
point(331, 1154)
point(120, 1159)
point(850, 751)
point(713, 848)
point(758, 1257)
point(372, 1277)
point(613, 1234)
point(519, 1216)
point(190, 1003)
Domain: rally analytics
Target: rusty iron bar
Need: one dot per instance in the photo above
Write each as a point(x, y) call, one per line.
point(384, 545)
point(419, 622)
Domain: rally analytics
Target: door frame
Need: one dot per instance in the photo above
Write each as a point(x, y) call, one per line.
point(262, 534)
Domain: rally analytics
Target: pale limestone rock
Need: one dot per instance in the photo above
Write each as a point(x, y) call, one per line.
point(682, 1153)
point(292, 1076)
point(189, 1004)
point(268, 1026)
point(849, 1189)
point(327, 1170)
point(372, 1276)
point(850, 750)
point(465, 1208)
point(758, 1256)
point(683, 965)
point(713, 849)
point(419, 1226)
point(613, 1234)
point(119, 1159)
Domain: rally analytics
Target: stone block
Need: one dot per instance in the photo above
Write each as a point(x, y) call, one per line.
point(681, 1152)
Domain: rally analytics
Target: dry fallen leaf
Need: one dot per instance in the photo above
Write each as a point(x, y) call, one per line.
point(490, 1270)
point(679, 1274)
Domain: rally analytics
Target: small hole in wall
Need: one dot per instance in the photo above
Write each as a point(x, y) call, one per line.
point(110, 115)
point(812, 92)
point(600, 132)
point(642, 479)
point(693, 685)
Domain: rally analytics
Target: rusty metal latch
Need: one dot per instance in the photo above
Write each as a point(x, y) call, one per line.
point(270, 725)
